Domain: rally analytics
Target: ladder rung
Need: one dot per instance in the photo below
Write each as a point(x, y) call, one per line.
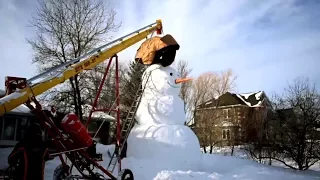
point(128, 123)
point(124, 131)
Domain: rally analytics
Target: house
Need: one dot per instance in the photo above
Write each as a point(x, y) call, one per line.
point(14, 124)
point(290, 121)
point(230, 118)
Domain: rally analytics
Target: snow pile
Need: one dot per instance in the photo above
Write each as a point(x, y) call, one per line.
point(237, 151)
point(215, 167)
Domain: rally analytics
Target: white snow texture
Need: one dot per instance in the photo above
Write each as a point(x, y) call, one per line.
point(160, 134)
point(213, 167)
point(160, 103)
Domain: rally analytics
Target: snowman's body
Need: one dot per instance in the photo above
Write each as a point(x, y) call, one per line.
point(160, 134)
point(160, 102)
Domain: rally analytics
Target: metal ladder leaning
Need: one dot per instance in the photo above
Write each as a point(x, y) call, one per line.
point(127, 124)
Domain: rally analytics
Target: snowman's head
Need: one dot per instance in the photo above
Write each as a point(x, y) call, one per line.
point(162, 79)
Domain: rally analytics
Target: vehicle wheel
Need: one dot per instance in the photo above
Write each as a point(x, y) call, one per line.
point(125, 174)
point(61, 172)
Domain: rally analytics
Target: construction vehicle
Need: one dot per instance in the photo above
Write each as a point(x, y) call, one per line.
point(22, 91)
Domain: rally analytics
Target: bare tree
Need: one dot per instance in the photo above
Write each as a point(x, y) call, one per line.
point(291, 133)
point(183, 72)
point(256, 134)
point(66, 30)
point(206, 89)
point(297, 116)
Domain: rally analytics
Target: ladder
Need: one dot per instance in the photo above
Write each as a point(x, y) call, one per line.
point(127, 125)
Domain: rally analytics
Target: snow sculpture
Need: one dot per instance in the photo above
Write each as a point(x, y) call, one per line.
point(160, 135)
point(160, 103)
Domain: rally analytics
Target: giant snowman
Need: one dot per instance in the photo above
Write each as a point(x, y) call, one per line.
point(160, 135)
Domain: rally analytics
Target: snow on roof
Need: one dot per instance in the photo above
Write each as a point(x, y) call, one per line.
point(258, 95)
point(246, 95)
point(209, 102)
point(247, 98)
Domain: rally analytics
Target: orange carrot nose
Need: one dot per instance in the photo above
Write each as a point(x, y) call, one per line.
point(182, 80)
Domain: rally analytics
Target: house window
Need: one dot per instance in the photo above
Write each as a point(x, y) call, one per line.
point(9, 128)
point(22, 127)
point(13, 127)
point(226, 113)
point(226, 134)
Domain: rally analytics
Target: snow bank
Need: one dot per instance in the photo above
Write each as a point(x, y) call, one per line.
point(4, 153)
point(216, 167)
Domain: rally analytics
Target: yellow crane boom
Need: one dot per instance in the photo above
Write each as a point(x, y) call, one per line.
point(65, 71)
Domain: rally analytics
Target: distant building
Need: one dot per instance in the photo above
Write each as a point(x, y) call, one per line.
point(221, 120)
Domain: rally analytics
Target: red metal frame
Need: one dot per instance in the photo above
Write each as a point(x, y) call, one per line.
point(62, 143)
point(12, 83)
point(117, 94)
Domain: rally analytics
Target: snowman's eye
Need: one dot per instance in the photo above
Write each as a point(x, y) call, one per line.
point(171, 74)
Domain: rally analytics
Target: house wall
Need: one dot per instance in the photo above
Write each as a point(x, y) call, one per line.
point(225, 125)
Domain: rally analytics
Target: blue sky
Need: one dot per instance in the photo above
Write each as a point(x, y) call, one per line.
point(267, 43)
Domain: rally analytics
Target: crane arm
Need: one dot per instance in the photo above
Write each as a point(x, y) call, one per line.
point(13, 100)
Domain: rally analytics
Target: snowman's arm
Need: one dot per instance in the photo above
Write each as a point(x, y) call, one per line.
point(150, 111)
point(164, 106)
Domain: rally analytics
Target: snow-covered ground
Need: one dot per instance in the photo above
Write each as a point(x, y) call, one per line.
point(213, 166)
point(239, 152)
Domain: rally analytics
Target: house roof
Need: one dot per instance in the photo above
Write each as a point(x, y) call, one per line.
point(287, 113)
point(253, 99)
